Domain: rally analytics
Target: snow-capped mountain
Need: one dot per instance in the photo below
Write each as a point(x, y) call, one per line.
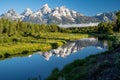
point(58, 15)
point(11, 14)
point(45, 9)
point(106, 17)
point(27, 12)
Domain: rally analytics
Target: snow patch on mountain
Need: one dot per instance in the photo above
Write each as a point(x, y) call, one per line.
point(57, 15)
point(11, 14)
point(27, 12)
point(45, 9)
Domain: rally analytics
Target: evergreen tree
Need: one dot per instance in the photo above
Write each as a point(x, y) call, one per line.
point(118, 21)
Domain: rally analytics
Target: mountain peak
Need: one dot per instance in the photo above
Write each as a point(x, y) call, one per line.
point(28, 9)
point(62, 8)
point(12, 15)
point(11, 11)
point(57, 15)
point(45, 9)
point(99, 14)
point(46, 5)
point(27, 12)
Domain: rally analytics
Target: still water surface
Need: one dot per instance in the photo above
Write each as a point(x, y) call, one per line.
point(40, 65)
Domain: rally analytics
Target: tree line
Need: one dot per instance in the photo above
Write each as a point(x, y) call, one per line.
point(110, 27)
point(24, 28)
point(11, 28)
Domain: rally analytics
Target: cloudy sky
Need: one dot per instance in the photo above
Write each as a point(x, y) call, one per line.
point(87, 7)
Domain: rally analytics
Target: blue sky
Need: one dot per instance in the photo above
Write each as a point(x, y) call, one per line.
point(87, 7)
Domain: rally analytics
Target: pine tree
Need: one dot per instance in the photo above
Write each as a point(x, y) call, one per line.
point(118, 21)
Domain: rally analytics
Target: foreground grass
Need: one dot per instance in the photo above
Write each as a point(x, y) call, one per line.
point(22, 48)
point(17, 45)
point(105, 66)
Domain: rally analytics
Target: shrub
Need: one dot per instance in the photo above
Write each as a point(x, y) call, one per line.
point(92, 60)
point(104, 64)
point(25, 52)
point(15, 40)
point(78, 62)
point(1, 56)
point(117, 63)
point(6, 55)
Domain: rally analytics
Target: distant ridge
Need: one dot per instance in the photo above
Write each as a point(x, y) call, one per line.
point(57, 15)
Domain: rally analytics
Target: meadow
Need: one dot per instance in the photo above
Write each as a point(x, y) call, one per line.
point(17, 45)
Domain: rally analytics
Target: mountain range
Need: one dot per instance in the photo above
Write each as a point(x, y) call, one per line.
point(58, 15)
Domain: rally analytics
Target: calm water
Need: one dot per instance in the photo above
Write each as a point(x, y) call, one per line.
point(41, 64)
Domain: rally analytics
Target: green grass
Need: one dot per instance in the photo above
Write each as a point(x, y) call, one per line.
point(17, 45)
point(22, 49)
point(63, 36)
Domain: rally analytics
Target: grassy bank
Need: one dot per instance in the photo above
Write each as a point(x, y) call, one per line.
point(96, 67)
point(21, 45)
point(104, 66)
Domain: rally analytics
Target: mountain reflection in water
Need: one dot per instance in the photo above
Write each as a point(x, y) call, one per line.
point(72, 47)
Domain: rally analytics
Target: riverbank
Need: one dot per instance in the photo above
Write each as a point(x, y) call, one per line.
point(95, 67)
point(19, 45)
